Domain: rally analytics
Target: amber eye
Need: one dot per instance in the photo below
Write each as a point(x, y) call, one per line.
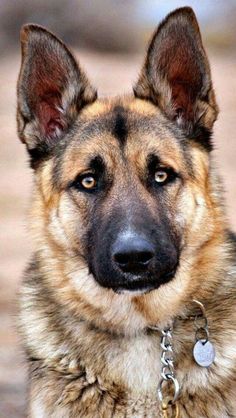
point(161, 176)
point(88, 182)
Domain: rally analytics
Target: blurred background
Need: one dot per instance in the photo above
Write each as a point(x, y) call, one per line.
point(109, 38)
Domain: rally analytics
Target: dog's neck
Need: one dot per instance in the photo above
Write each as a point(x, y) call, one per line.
point(133, 363)
point(63, 340)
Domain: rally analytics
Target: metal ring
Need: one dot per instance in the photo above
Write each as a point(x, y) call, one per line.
point(168, 360)
point(167, 371)
point(166, 403)
point(197, 321)
point(201, 306)
point(167, 333)
point(166, 345)
point(176, 388)
point(166, 338)
point(199, 336)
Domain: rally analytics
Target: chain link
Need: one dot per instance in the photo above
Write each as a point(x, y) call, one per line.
point(167, 370)
point(201, 324)
point(169, 404)
point(169, 410)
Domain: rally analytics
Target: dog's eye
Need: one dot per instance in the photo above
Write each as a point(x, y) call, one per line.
point(164, 175)
point(88, 182)
point(161, 176)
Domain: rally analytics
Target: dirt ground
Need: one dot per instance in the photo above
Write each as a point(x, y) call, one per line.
point(112, 74)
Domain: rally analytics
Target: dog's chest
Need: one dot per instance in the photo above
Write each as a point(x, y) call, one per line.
point(100, 375)
point(123, 386)
point(135, 364)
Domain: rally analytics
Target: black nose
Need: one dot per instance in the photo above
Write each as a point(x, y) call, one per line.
point(132, 253)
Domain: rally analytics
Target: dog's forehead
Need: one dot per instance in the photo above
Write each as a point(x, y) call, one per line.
point(125, 123)
point(122, 117)
point(123, 129)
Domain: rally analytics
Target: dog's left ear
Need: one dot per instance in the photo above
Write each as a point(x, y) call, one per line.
point(176, 76)
point(52, 89)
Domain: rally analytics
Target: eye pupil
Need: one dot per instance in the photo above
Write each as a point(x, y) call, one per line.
point(161, 176)
point(88, 182)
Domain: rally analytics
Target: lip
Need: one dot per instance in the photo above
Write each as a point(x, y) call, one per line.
point(141, 286)
point(138, 289)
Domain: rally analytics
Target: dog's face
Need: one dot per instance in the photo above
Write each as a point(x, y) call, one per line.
point(122, 184)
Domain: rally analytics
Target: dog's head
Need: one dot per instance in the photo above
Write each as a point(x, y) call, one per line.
point(123, 185)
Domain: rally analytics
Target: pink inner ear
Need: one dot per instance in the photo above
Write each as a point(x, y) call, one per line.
point(185, 81)
point(178, 60)
point(48, 78)
point(50, 118)
point(182, 99)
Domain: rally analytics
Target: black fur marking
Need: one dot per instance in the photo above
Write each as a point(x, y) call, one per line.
point(120, 129)
point(97, 164)
point(38, 154)
point(153, 162)
point(202, 136)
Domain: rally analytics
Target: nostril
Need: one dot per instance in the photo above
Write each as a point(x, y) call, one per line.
point(121, 259)
point(132, 253)
point(142, 257)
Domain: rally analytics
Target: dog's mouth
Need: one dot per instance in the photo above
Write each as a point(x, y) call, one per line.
point(140, 285)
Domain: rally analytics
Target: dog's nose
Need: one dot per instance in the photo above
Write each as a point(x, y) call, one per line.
point(132, 253)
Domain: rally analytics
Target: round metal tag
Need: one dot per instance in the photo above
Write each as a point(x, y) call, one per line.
point(204, 353)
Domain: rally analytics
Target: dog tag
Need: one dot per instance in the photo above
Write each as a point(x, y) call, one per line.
point(204, 353)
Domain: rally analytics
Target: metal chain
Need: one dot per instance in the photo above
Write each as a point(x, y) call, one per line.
point(203, 350)
point(166, 412)
point(169, 404)
point(201, 324)
point(168, 374)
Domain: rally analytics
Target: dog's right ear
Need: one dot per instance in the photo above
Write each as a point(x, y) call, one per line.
point(51, 91)
point(176, 76)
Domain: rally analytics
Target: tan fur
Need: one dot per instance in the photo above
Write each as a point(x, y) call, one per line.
point(91, 351)
point(110, 373)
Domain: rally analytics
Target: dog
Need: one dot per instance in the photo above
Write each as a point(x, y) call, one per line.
point(130, 228)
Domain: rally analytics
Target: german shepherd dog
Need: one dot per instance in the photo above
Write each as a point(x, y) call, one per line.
point(130, 227)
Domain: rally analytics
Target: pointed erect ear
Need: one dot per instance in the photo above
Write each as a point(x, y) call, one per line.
point(51, 89)
point(176, 75)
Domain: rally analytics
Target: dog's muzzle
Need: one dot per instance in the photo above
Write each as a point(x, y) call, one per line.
point(136, 264)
